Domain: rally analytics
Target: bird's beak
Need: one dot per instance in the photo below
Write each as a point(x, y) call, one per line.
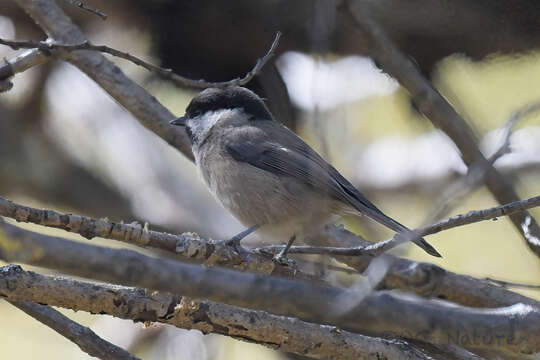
point(181, 121)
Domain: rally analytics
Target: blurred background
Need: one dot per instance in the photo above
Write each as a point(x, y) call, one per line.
point(66, 145)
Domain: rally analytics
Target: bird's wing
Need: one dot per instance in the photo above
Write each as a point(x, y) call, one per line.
point(301, 162)
point(298, 160)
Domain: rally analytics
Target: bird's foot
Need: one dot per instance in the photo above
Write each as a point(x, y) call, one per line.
point(280, 256)
point(281, 259)
point(234, 242)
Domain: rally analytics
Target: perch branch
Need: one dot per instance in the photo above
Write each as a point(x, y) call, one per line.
point(424, 279)
point(379, 312)
point(188, 245)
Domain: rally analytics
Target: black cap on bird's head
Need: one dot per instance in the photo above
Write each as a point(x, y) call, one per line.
point(235, 97)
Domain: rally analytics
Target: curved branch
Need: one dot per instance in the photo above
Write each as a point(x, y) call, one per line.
point(51, 48)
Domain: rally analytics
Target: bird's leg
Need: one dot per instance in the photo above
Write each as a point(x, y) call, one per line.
point(235, 240)
point(280, 257)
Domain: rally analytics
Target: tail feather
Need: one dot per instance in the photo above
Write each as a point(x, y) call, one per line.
point(390, 223)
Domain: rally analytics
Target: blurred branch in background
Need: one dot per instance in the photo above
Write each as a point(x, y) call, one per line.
point(83, 6)
point(50, 48)
point(440, 112)
point(82, 336)
point(379, 312)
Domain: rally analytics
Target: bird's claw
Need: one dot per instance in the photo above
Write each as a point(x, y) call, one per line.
point(233, 242)
point(280, 259)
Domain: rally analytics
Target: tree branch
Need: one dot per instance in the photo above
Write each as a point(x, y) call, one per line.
point(83, 6)
point(440, 112)
point(376, 249)
point(82, 336)
point(380, 312)
point(188, 245)
point(20, 64)
point(424, 279)
point(50, 48)
point(138, 305)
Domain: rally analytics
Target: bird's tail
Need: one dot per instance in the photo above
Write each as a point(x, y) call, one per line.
point(390, 223)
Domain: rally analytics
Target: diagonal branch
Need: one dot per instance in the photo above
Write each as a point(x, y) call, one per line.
point(82, 336)
point(138, 305)
point(440, 112)
point(424, 279)
point(376, 249)
point(85, 7)
point(380, 312)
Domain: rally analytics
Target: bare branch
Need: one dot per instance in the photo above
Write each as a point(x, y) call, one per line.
point(438, 111)
point(50, 48)
point(380, 312)
point(400, 238)
point(273, 331)
point(424, 279)
point(511, 123)
point(82, 336)
point(127, 93)
point(19, 64)
point(187, 245)
point(81, 5)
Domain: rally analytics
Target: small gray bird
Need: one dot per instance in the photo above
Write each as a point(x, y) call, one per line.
point(264, 174)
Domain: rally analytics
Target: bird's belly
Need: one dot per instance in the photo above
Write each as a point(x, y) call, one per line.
point(281, 206)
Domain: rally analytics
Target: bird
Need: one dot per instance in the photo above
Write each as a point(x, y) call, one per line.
point(265, 175)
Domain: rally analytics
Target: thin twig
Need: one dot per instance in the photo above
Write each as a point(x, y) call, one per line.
point(81, 5)
point(49, 47)
point(509, 284)
point(511, 123)
point(82, 336)
point(400, 238)
point(476, 173)
point(139, 305)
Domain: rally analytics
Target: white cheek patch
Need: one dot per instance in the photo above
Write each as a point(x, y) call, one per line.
point(201, 125)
